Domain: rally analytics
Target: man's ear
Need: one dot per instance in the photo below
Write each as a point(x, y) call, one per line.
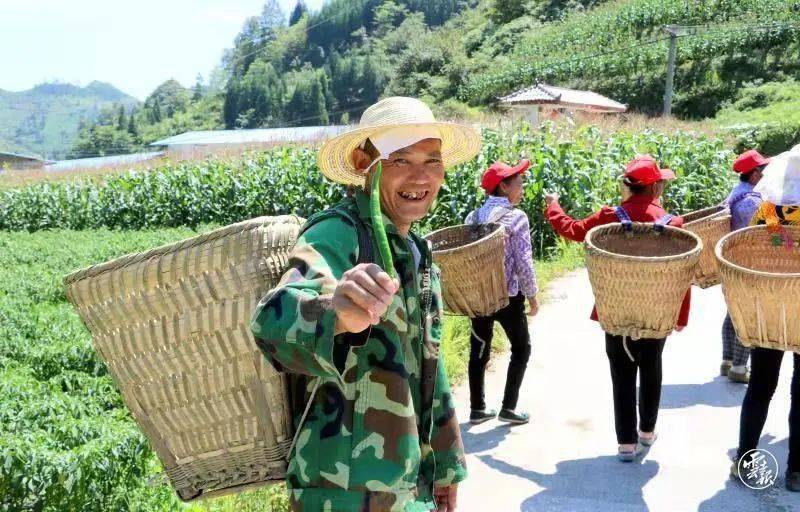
point(361, 159)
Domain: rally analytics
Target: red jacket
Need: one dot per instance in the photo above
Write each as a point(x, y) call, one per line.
point(638, 208)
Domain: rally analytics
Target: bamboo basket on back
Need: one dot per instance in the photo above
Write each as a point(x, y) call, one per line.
point(172, 326)
point(710, 224)
point(472, 260)
point(639, 278)
point(761, 284)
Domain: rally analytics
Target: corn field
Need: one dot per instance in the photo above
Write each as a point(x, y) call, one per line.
point(581, 165)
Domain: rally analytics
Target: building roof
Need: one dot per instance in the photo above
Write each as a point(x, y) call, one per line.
point(266, 135)
point(22, 157)
point(102, 161)
point(542, 94)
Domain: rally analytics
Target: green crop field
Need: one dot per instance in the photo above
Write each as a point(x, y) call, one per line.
point(619, 49)
point(67, 442)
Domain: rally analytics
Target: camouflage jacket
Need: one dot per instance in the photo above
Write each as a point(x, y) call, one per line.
point(381, 429)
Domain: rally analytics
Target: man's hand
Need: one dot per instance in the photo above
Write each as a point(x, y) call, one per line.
point(550, 198)
point(446, 498)
point(679, 328)
point(534, 306)
point(362, 297)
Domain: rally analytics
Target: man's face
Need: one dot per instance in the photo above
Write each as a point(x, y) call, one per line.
point(411, 180)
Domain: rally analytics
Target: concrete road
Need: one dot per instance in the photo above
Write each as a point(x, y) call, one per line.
point(565, 459)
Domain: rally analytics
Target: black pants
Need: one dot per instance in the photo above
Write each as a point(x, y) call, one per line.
point(647, 362)
point(514, 322)
point(765, 366)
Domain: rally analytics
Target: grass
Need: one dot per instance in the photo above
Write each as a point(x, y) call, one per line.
point(770, 103)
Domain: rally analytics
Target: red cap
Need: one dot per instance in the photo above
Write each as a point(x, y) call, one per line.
point(748, 161)
point(644, 170)
point(499, 171)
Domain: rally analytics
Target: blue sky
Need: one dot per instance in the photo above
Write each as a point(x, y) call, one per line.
point(133, 44)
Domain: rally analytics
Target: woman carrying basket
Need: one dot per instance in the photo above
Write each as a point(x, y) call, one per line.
point(645, 183)
point(743, 202)
point(504, 185)
point(780, 191)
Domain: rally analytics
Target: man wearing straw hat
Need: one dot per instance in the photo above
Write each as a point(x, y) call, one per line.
point(743, 202)
point(377, 431)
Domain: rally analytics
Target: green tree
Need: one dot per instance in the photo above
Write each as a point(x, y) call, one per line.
point(504, 11)
point(132, 129)
point(199, 89)
point(371, 82)
point(166, 100)
point(271, 20)
point(122, 123)
point(102, 140)
point(298, 12)
point(307, 104)
point(260, 91)
point(388, 16)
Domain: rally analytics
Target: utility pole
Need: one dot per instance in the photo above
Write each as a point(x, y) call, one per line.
point(672, 30)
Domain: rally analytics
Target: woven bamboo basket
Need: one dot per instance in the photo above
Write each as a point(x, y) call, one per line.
point(172, 325)
point(761, 284)
point(639, 279)
point(472, 260)
point(710, 224)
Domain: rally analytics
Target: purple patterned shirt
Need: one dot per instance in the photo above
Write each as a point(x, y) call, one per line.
point(520, 272)
point(744, 203)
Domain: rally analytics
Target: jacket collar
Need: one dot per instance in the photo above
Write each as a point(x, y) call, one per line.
point(642, 199)
point(495, 201)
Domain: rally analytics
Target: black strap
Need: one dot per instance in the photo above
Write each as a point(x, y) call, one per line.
point(366, 253)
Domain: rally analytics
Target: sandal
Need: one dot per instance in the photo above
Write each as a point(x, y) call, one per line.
point(626, 455)
point(648, 442)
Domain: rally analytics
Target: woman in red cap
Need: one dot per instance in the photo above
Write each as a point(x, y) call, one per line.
point(504, 185)
point(743, 202)
point(645, 183)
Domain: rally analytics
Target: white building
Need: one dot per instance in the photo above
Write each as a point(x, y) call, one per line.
point(202, 143)
point(530, 100)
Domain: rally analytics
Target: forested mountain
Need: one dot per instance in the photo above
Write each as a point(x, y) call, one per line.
point(304, 68)
point(46, 119)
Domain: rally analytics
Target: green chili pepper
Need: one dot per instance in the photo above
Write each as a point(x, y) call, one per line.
point(381, 240)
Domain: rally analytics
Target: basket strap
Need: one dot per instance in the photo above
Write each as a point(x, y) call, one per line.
point(303, 419)
point(476, 216)
point(662, 222)
point(624, 219)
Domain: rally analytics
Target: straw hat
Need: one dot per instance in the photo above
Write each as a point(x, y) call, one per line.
point(459, 143)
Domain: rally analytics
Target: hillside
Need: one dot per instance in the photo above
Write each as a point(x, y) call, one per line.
point(620, 49)
point(460, 56)
point(45, 120)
